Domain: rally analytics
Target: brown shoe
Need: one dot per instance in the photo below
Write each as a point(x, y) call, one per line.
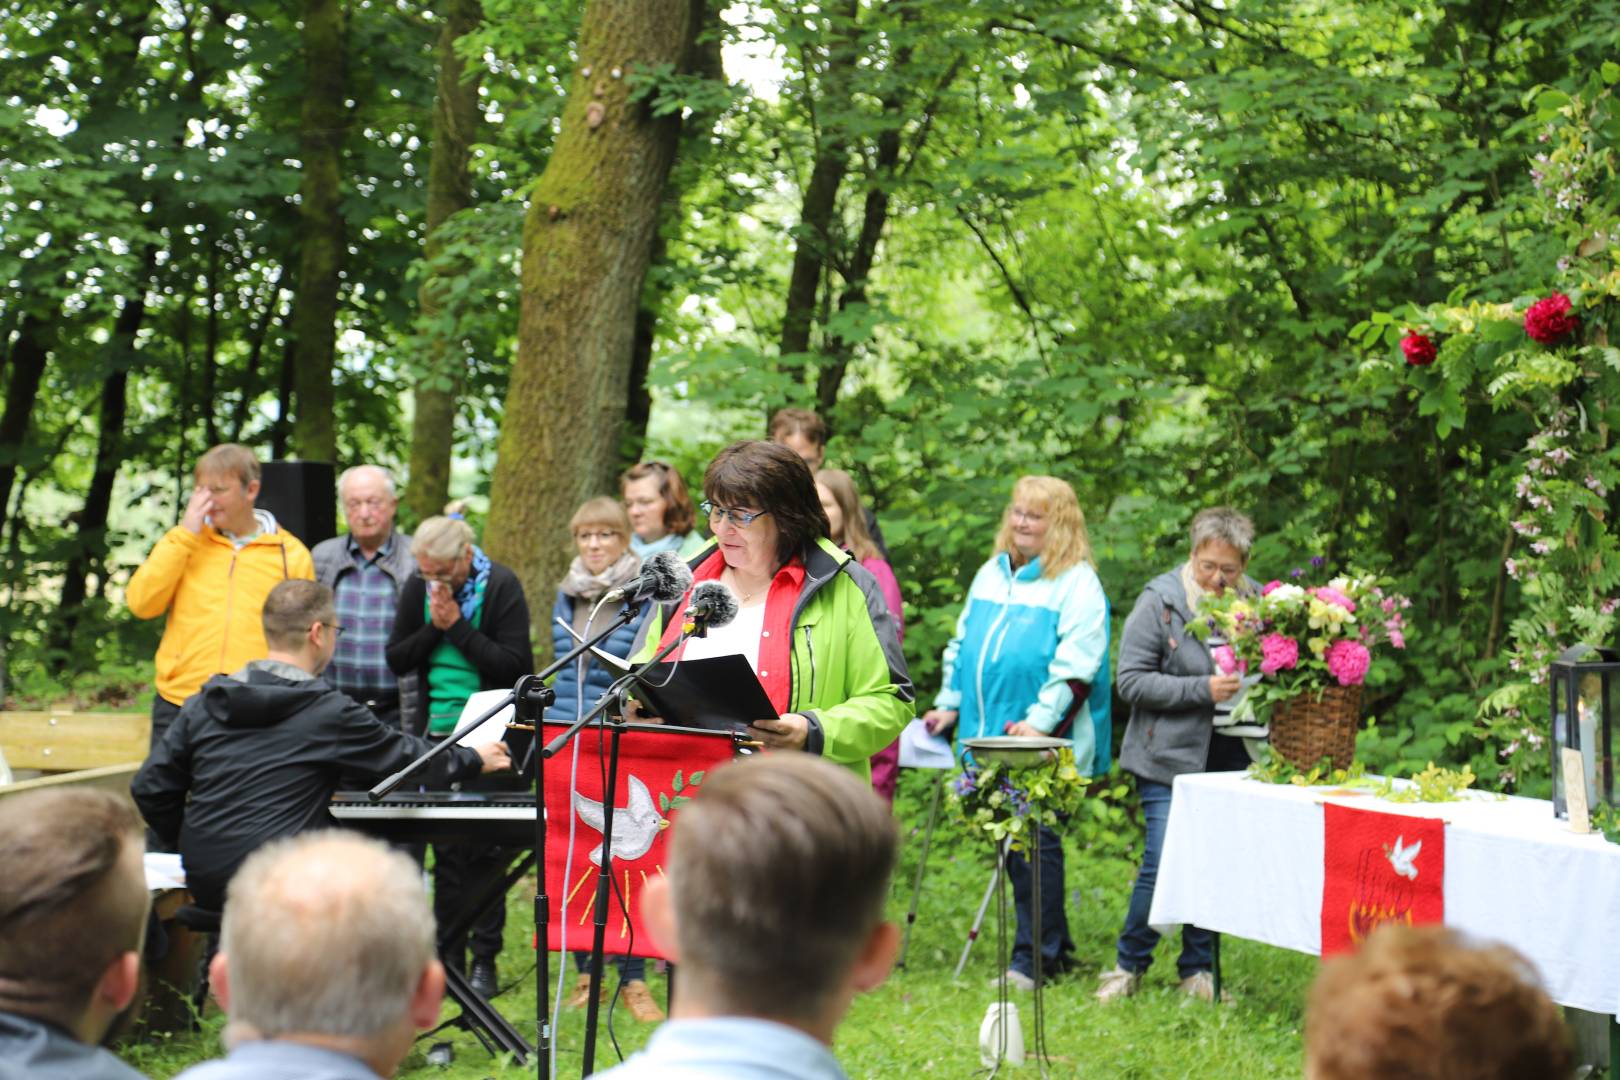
point(581, 996)
point(639, 1000)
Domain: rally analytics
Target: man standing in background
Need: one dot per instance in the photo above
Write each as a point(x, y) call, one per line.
point(805, 433)
point(210, 574)
point(365, 569)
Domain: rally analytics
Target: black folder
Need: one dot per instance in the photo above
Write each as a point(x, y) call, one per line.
point(716, 693)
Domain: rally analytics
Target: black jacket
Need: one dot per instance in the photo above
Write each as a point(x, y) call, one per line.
point(259, 759)
point(499, 647)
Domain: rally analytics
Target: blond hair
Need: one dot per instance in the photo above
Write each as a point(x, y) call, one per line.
point(229, 459)
point(1067, 542)
point(856, 538)
point(326, 933)
point(602, 512)
point(444, 537)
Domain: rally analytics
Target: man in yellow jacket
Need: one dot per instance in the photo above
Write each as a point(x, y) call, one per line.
point(211, 574)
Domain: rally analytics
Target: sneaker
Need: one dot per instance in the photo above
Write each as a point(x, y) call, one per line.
point(582, 992)
point(1015, 979)
point(1117, 984)
point(639, 1000)
point(1200, 986)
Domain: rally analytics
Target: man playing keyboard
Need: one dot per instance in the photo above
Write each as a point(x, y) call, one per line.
point(260, 752)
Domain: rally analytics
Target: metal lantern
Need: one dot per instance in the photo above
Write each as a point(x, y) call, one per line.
point(1584, 681)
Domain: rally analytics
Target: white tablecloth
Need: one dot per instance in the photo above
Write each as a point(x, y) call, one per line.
point(1245, 858)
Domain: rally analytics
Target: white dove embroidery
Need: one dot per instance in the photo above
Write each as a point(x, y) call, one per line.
point(635, 825)
point(1403, 859)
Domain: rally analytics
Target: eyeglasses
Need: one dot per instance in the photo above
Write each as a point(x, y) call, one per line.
point(337, 631)
point(1210, 569)
point(1032, 516)
point(352, 505)
point(740, 518)
point(440, 579)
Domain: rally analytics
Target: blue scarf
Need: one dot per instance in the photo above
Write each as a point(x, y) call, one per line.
point(471, 593)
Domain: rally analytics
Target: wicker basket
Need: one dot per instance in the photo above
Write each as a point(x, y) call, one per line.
point(1308, 728)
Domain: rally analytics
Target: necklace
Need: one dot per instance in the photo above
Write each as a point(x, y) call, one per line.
point(743, 597)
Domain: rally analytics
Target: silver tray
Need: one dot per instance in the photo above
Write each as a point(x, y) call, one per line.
point(1015, 750)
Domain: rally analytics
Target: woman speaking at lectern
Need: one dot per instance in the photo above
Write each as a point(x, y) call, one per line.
point(811, 622)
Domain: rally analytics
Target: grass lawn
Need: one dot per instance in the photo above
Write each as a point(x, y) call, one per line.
point(923, 1023)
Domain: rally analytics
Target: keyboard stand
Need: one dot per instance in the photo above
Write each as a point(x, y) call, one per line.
point(477, 1015)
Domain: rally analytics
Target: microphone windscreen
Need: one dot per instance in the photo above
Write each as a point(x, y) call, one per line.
point(715, 600)
point(667, 577)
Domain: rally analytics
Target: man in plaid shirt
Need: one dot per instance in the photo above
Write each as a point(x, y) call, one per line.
point(365, 569)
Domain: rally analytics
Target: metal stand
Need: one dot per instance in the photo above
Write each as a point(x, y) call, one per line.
point(984, 906)
point(1215, 967)
point(922, 864)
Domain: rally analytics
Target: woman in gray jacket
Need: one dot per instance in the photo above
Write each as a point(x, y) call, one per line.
point(1168, 679)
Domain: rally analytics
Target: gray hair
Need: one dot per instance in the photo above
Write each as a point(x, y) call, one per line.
point(1224, 524)
point(327, 933)
point(386, 476)
point(441, 538)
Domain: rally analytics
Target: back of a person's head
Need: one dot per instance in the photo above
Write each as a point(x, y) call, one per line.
point(72, 898)
point(779, 872)
point(1428, 1003)
point(327, 933)
point(292, 607)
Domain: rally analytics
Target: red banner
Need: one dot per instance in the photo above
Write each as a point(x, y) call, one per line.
point(1379, 868)
point(659, 771)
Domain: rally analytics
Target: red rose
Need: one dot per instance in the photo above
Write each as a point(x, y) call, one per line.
point(1549, 321)
point(1419, 349)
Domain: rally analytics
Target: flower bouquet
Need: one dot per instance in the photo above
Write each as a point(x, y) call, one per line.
point(1312, 646)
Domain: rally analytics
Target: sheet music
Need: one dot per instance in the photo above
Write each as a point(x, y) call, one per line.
point(922, 749)
point(491, 730)
point(163, 871)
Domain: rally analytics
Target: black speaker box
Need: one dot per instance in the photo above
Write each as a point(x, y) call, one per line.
point(303, 496)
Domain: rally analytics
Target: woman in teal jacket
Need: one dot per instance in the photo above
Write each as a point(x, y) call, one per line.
point(1030, 657)
point(811, 621)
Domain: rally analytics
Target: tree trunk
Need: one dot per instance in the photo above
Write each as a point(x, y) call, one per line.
point(314, 322)
point(812, 239)
point(91, 545)
point(28, 357)
point(586, 243)
point(449, 189)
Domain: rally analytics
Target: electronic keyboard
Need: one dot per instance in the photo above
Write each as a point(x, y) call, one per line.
point(440, 817)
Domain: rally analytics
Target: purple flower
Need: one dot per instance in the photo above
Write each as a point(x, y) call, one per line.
point(1596, 485)
point(1608, 606)
point(1541, 547)
point(1318, 561)
point(1296, 572)
point(965, 783)
point(1512, 569)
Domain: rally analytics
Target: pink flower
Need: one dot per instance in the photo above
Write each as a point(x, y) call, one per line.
point(1278, 652)
point(1270, 587)
point(1329, 595)
point(1348, 661)
point(1397, 639)
point(1227, 660)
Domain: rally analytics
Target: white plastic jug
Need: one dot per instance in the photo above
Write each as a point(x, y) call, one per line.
point(1001, 1019)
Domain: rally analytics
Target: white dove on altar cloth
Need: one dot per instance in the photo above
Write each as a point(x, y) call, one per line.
point(1403, 859)
point(635, 825)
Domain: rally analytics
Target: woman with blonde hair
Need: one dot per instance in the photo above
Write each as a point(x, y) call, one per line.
point(462, 625)
point(846, 519)
point(1030, 657)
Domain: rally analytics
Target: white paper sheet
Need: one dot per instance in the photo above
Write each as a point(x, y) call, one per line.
point(921, 749)
point(163, 871)
point(490, 730)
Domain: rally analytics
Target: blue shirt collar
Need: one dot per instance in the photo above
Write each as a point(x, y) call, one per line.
point(382, 552)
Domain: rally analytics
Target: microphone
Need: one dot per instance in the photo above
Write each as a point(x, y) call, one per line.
point(712, 605)
point(663, 578)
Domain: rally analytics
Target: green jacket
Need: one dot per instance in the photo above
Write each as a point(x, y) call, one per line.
point(848, 677)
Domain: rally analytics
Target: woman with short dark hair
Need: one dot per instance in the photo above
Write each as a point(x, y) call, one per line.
point(811, 622)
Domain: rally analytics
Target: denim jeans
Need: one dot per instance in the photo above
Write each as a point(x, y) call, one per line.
point(633, 967)
point(1057, 948)
point(1137, 940)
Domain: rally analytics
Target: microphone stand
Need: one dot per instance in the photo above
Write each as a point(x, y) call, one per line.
point(625, 617)
point(610, 797)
